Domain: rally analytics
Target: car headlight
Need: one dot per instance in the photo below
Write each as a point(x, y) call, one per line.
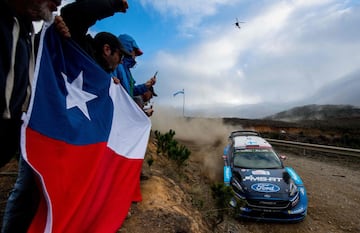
point(235, 183)
point(295, 200)
point(293, 189)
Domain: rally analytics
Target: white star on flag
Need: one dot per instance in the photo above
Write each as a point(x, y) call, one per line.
point(76, 96)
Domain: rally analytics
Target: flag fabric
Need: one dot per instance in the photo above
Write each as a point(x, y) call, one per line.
point(179, 92)
point(85, 138)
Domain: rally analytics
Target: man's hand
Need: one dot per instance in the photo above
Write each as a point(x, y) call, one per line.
point(61, 27)
point(116, 80)
point(149, 112)
point(125, 6)
point(151, 82)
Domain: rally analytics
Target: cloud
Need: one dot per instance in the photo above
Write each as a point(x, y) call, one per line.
point(284, 52)
point(190, 13)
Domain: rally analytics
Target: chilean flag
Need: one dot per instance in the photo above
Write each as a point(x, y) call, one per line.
point(85, 139)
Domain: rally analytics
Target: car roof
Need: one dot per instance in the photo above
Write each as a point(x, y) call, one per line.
point(243, 142)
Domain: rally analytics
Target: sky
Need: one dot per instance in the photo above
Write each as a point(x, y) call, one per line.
point(287, 53)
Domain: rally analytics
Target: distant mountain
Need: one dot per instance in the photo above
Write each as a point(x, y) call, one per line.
point(317, 112)
point(344, 90)
point(343, 93)
point(250, 111)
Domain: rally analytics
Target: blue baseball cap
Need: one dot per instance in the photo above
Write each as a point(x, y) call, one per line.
point(130, 44)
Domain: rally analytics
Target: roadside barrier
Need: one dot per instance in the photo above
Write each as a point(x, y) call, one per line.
point(315, 147)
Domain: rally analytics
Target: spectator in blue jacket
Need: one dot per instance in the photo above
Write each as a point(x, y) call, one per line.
point(123, 73)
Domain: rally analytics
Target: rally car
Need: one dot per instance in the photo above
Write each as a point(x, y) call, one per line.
point(263, 188)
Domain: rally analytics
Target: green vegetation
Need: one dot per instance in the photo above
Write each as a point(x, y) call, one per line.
point(222, 195)
point(168, 146)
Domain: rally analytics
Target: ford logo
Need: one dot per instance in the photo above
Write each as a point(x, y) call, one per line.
point(265, 188)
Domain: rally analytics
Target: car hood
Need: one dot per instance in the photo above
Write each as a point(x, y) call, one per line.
point(264, 183)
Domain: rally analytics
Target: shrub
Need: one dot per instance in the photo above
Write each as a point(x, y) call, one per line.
point(167, 145)
point(222, 195)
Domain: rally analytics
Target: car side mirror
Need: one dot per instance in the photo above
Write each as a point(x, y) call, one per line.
point(283, 157)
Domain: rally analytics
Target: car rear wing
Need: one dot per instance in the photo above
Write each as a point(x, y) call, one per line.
point(244, 133)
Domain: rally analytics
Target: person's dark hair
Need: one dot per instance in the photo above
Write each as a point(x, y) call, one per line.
point(103, 38)
point(100, 40)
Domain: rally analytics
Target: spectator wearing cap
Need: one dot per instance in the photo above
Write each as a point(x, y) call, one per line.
point(144, 101)
point(108, 51)
point(123, 72)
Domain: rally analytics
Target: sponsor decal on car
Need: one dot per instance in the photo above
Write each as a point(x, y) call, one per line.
point(250, 142)
point(262, 178)
point(265, 187)
point(227, 174)
point(261, 172)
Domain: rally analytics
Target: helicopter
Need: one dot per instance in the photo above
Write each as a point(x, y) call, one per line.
point(237, 23)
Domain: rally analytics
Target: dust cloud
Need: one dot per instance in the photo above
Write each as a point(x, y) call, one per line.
point(204, 137)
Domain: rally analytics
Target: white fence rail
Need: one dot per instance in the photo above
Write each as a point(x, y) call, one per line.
point(315, 147)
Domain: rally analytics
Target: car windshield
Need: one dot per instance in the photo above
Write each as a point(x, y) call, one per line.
point(257, 158)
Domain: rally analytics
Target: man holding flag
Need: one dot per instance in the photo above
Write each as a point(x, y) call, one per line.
point(60, 146)
point(17, 62)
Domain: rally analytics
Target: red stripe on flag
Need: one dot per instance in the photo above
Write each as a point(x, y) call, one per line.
point(88, 188)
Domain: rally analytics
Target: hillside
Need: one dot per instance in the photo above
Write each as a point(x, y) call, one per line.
point(317, 112)
point(335, 125)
